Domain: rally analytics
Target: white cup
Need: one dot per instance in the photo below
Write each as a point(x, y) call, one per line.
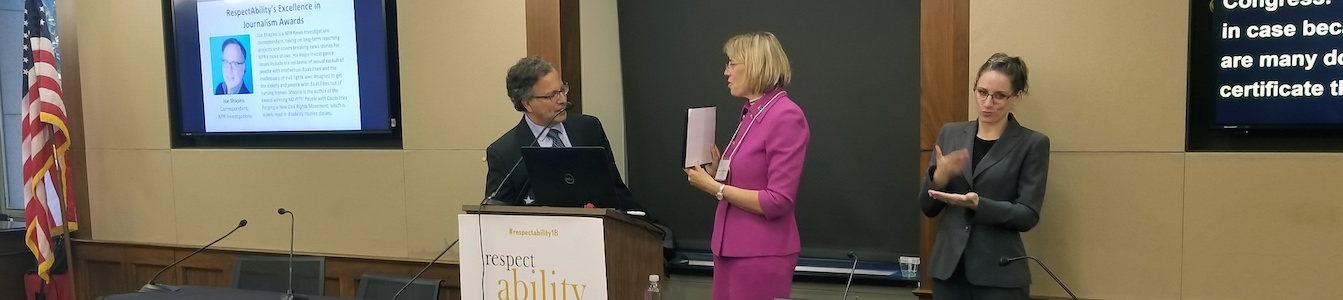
point(909, 267)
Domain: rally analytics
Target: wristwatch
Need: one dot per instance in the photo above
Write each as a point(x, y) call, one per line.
point(719, 195)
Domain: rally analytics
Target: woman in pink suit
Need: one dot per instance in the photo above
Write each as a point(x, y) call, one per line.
point(755, 240)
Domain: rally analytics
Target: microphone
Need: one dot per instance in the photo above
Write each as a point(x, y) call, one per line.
point(490, 199)
point(537, 139)
point(851, 271)
point(289, 295)
point(155, 287)
point(1003, 261)
point(426, 268)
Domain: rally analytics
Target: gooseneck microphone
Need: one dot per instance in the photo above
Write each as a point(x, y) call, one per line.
point(1003, 261)
point(289, 295)
point(851, 271)
point(155, 287)
point(490, 199)
point(426, 268)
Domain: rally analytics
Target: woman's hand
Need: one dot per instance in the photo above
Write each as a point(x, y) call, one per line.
point(712, 168)
point(948, 165)
point(969, 200)
point(700, 179)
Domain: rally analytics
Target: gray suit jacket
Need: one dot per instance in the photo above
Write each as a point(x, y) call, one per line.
point(1010, 181)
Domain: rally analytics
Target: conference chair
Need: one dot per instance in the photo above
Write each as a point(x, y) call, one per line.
point(271, 273)
point(384, 287)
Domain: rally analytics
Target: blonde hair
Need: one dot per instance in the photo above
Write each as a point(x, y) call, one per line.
point(764, 63)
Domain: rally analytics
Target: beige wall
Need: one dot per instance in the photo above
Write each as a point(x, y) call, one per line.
point(603, 93)
point(393, 203)
point(1129, 214)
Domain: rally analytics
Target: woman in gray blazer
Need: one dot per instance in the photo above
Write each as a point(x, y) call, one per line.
point(989, 188)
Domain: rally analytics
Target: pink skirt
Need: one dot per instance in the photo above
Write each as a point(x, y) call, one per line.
point(753, 278)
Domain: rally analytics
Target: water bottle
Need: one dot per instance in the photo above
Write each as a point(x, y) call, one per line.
point(654, 291)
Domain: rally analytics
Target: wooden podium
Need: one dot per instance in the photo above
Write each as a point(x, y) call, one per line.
point(522, 240)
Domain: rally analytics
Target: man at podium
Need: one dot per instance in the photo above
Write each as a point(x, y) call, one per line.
point(536, 90)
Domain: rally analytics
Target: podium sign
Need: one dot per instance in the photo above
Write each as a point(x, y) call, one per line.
point(532, 257)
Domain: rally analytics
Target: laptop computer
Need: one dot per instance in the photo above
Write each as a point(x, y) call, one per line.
point(570, 177)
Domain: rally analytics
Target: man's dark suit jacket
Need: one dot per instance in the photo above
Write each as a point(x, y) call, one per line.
point(583, 130)
point(222, 89)
point(1010, 181)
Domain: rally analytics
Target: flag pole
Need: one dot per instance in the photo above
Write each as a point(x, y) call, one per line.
point(59, 180)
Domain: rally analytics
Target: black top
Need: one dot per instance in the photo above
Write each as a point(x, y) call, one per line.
point(981, 148)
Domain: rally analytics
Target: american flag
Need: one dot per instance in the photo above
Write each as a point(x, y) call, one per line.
point(45, 135)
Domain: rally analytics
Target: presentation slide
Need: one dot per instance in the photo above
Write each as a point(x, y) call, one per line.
point(1278, 63)
point(279, 67)
point(283, 66)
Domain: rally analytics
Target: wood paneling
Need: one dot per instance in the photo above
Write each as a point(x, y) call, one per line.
point(113, 267)
point(553, 33)
point(927, 234)
point(349, 271)
point(333, 286)
point(15, 260)
point(206, 268)
point(944, 49)
point(111, 278)
point(103, 263)
point(543, 30)
point(571, 52)
point(143, 263)
point(632, 254)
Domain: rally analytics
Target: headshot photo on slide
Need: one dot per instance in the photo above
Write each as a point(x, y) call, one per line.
point(232, 64)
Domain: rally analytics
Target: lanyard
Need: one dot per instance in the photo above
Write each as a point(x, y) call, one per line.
point(748, 126)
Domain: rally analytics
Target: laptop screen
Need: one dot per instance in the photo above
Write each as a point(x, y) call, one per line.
point(570, 176)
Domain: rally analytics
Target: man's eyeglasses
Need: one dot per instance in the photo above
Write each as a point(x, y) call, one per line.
point(564, 90)
point(982, 94)
point(232, 64)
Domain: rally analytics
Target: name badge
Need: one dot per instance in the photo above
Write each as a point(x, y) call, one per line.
point(723, 167)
